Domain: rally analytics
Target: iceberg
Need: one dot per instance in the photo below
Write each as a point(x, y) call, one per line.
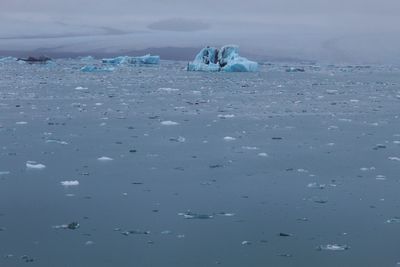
point(32, 60)
point(225, 59)
point(146, 59)
point(7, 59)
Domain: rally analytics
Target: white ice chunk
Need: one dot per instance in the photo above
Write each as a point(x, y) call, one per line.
point(104, 158)
point(34, 165)
point(69, 183)
point(169, 123)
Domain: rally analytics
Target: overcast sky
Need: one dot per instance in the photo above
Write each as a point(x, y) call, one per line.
point(341, 30)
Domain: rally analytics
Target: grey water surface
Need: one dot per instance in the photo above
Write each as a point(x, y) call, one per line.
point(164, 167)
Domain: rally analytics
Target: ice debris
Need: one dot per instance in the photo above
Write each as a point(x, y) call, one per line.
point(69, 183)
point(393, 220)
point(34, 165)
point(104, 158)
point(333, 247)
point(192, 215)
point(225, 59)
point(169, 123)
point(70, 226)
point(92, 68)
point(146, 59)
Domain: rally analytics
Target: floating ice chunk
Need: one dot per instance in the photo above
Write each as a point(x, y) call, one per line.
point(89, 243)
point(246, 243)
point(394, 158)
point(226, 59)
point(179, 139)
point(21, 122)
point(250, 147)
point(56, 141)
point(393, 220)
point(263, 154)
point(81, 88)
point(146, 59)
point(70, 226)
point(333, 247)
point(169, 90)
point(105, 158)
point(380, 177)
point(229, 138)
point(169, 123)
point(192, 215)
point(92, 68)
point(316, 185)
point(4, 172)
point(227, 116)
point(34, 165)
point(69, 183)
point(166, 232)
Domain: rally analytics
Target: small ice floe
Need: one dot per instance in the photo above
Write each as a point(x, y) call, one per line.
point(250, 147)
point(69, 183)
point(21, 122)
point(316, 185)
point(246, 243)
point(192, 215)
point(179, 139)
point(167, 89)
point(364, 169)
point(227, 116)
point(135, 232)
point(70, 226)
point(169, 123)
point(397, 142)
point(229, 138)
point(104, 158)
point(333, 247)
point(393, 220)
point(4, 173)
point(81, 88)
point(380, 177)
point(35, 166)
point(166, 232)
point(262, 154)
point(57, 141)
point(394, 158)
point(89, 243)
point(180, 236)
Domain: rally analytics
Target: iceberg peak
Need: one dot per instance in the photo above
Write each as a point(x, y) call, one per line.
point(225, 59)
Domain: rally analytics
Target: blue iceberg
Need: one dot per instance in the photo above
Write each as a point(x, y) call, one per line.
point(226, 59)
point(146, 59)
point(7, 59)
point(92, 68)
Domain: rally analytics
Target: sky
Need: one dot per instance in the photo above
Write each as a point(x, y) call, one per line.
point(362, 31)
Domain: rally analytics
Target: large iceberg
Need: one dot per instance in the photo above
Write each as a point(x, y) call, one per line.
point(226, 59)
point(146, 59)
